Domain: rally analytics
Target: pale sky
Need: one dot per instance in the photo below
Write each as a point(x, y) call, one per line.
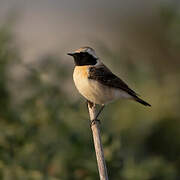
point(62, 25)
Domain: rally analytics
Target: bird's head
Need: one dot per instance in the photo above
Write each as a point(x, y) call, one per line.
point(84, 56)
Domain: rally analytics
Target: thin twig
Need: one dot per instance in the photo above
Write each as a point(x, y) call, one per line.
point(97, 143)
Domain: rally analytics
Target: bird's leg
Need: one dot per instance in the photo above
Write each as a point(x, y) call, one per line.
point(102, 107)
point(96, 118)
point(92, 122)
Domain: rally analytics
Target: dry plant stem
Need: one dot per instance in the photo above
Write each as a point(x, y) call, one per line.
point(97, 142)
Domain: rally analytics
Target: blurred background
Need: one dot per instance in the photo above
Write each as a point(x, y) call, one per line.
point(44, 126)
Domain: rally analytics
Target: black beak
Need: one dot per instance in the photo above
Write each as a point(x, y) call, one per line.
point(70, 54)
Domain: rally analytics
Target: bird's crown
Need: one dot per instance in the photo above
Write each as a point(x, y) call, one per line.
point(88, 50)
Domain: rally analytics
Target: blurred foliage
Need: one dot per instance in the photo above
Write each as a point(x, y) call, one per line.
point(44, 130)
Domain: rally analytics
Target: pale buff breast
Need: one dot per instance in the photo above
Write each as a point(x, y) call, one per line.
point(93, 90)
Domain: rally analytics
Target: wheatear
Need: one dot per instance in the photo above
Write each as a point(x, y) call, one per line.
point(96, 82)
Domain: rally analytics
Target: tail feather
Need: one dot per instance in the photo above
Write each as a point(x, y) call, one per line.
point(142, 101)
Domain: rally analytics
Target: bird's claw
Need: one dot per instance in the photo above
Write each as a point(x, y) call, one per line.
point(94, 121)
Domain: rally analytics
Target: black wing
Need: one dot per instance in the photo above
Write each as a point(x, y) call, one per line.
point(103, 75)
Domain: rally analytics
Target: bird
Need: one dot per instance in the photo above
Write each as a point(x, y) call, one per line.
point(96, 82)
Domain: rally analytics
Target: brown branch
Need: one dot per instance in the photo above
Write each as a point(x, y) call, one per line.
point(97, 143)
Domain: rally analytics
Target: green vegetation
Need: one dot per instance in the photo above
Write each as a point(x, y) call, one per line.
point(44, 130)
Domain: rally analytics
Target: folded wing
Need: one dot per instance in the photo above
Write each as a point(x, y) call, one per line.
point(103, 75)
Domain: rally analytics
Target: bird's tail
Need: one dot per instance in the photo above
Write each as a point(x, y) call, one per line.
point(142, 101)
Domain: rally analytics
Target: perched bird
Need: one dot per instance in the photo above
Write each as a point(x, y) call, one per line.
point(96, 82)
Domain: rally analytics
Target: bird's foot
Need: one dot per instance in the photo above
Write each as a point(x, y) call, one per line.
point(95, 121)
point(90, 104)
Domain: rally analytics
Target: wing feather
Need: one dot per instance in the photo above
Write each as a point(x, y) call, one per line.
point(103, 75)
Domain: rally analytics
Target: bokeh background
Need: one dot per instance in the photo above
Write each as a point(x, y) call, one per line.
point(44, 126)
